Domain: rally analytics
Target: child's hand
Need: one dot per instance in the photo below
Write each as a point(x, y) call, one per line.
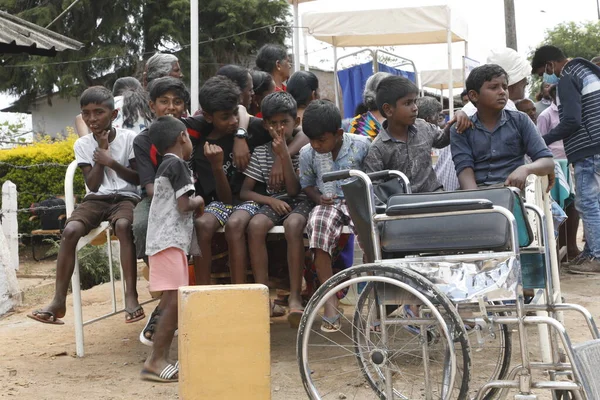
point(279, 144)
point(102, 157)
point(214, 154)
point(518, 178)
point(241, 154)
point(326, 200)
point(551, 181)
point(102, 139)
point(280, 206)
point(199, 206)
point(462, 121)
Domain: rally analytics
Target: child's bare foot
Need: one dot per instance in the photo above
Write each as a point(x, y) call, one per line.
point(50, 314)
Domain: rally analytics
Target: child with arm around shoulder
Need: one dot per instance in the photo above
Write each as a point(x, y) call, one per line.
point(170, 226)
point(322, 124)
point(492, 151)
point(280, 118)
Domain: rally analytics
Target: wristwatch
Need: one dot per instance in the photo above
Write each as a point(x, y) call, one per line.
point(241, 133)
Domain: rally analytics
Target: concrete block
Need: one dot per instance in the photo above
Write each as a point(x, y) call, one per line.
point(224, 342)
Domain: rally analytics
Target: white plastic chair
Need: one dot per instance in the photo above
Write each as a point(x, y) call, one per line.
point(105, 228)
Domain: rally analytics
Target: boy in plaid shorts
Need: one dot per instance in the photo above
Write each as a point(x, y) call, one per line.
point(322, 124)
point(280, 204)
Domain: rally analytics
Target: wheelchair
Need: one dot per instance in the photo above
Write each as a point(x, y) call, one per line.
point(434, 310)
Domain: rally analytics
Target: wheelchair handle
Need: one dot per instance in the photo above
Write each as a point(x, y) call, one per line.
point(336, 175)
point(347, 173)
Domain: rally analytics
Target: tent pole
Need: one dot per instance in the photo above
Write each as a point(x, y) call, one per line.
point(194, 61)
point(296, 38)
point(451, 78)
point(305, 38)
point(335, 77)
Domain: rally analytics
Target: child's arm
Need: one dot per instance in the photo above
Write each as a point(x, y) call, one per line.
point(102, 156)
point(299, 141)
point(214, 154)
point(464, 162)
point(93, 176)
point(241, 150)
point(541, 167)
point(280, 148)
point(466, 179)
point(143, 165)
point(536, 149)
point(247, 193)
point(186, 203)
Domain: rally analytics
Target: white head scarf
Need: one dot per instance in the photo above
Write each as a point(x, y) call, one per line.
point(516, 66)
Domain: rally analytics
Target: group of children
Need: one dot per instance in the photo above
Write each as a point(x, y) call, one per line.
point(180, 209)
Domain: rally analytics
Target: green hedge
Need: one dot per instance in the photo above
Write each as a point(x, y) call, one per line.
point(36, 183)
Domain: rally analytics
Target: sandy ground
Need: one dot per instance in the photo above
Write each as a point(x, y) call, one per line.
point(37, 361)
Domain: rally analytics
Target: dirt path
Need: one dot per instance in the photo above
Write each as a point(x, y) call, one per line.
point(37, 361)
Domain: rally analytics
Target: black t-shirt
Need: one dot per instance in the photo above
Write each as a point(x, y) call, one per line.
point(198, 130)
point(147, 159)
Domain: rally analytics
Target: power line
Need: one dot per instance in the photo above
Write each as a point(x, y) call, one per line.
point(272, 26)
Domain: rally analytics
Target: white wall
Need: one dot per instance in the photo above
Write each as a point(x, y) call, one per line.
point(52, 119)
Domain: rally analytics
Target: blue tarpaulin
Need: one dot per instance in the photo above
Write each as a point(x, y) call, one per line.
point(352, 81)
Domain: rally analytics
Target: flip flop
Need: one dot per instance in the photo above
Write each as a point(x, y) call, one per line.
point(294, 317)
point(276, 310)
point(131, 316)
point(150, 327)
point(35, 315)
point(165, 376)
point(331, 324)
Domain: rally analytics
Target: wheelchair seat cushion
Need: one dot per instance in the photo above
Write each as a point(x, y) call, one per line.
point(455, 233)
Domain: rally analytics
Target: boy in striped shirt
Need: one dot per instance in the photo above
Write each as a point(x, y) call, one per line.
point(281, 204)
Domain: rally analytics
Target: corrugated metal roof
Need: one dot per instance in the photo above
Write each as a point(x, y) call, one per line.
point(18, 36)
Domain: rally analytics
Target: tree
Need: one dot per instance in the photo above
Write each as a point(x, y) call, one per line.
point(119, 37)
point(574, 39)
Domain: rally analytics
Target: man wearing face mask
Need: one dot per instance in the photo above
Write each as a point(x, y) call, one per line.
point(578, 103)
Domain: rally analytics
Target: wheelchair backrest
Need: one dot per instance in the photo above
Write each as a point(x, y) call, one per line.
point(456, 233)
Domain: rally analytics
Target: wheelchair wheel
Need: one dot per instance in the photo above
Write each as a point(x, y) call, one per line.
point(426, 359)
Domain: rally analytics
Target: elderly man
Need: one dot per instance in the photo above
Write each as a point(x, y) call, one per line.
point(160, 65)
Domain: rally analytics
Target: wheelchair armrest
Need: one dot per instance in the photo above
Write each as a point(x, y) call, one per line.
point(439, 207)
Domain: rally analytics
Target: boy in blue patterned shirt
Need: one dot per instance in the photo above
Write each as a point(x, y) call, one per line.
point(322, 124)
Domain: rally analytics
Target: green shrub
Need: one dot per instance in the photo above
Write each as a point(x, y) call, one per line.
point(36, 183)
point(93, 264)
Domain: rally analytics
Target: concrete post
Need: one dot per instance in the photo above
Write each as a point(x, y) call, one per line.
point(224, 342)
point(9, 222)
point(9, 287)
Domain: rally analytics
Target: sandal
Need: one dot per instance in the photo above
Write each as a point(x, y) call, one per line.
point(165, 376)
point(131, 317)
point(276, 310)
point(36, 315)
point(147, 334)
point(331, 324)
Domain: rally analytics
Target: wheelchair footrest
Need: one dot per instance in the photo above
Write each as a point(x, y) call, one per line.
point(587, 356)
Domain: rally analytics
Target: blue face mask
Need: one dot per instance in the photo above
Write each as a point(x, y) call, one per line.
point(551, 79)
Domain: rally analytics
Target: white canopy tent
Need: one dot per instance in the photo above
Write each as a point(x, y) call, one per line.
point(378, 24)
point(438, 78)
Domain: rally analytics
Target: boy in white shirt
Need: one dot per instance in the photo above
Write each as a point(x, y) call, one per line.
point(107, 161)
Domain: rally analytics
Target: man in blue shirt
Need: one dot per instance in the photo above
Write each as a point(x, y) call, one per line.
point(578, 103)
point(492, 152)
